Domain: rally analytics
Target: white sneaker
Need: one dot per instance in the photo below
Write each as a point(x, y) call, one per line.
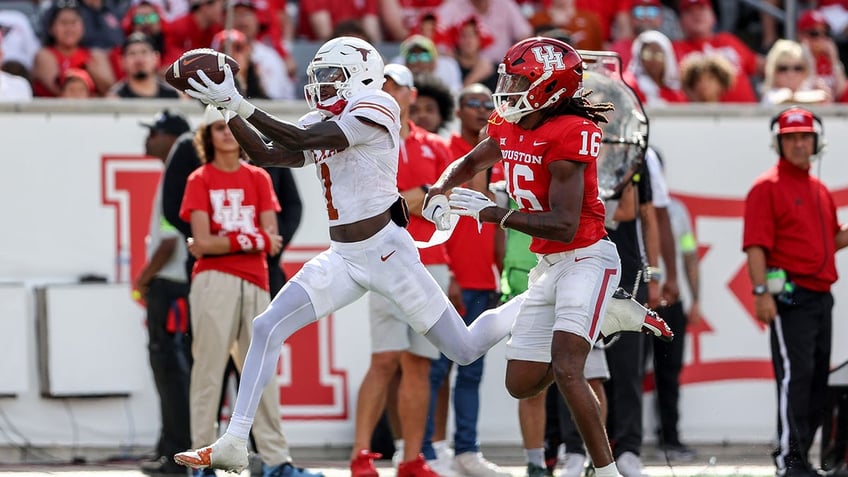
point(473, 464)
point(227, 453)
point(443, 467)
point(572, 464)
point(629, 465)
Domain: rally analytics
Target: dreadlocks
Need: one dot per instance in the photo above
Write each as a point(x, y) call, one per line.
point(580, 106)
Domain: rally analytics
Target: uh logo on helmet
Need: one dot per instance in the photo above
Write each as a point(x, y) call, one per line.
point(797, 120)
point(536, 73)
point(342, 68)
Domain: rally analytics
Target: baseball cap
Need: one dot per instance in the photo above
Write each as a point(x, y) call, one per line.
point(234, 36)
point(810, 20)
point(645, 3)
point(168, 122)
point(686, 4)
point(418, 41)
point(795, 120)
point(399, 74)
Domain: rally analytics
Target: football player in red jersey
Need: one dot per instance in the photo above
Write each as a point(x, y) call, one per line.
point(547, 134)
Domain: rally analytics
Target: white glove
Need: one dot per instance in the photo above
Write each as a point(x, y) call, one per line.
point(222, 95)
point(438, 211)
point(469, 202)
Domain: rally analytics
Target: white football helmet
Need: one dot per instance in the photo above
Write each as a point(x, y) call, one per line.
point(341, 68)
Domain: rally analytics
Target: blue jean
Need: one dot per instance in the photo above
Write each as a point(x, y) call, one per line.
point(466, 390)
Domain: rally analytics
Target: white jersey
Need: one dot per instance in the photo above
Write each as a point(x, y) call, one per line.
point(361, 181)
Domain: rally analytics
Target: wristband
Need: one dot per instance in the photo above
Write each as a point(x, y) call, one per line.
point(245, 109)
point(241, 242)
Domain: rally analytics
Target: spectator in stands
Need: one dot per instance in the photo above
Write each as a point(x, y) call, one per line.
point(614, 16)
point(583, 26)
point(318, 18)
point(269, 66)
point(141, 64)
point(102, 25)
point(401, 18)
point(653, 72)
point(698, 21)
point(12, 87)
point(145, 17)
point(275, 28)
point(194, 29)
point(500, 16)
point(419, 54)
point(234, 43)
point(467, 41)
point(76, 83)
point(706, 78)
point(21, 43)
point(789, 76)
point(814, 34)
point(62, 50)
point(169, 9)
point(647, 15)
point(433, 106)
point(836, 13)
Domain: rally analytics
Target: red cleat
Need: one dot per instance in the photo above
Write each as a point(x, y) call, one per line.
point(416, 468)
point(363, 464)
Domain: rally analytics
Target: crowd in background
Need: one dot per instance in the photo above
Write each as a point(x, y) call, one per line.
point(672, 50)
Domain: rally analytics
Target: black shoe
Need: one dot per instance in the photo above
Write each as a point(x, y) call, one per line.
point(162, 467)
point(797, 471)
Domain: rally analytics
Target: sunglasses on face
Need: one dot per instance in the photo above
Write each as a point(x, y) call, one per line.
point(795, 68)
point(648, 55)
point(422, 57)
point(644, 12)
point(815, 33)
point(476, 103)
point(146, 18)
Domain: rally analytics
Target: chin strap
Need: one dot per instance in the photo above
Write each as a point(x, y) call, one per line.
point(335, 109)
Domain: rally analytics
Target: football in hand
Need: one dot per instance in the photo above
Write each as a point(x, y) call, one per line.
point(210, 61)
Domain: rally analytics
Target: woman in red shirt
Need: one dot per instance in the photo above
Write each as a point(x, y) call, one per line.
point(62, 50)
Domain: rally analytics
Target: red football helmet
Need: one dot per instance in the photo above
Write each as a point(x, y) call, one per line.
point(536, 73)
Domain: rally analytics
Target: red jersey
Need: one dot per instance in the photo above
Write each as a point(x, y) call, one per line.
point(185, 34)
point(792, 216)
point(733, 50)
point(234, 201)
point(472, 253)
point(78, 59)
point(527, 154)
point(423, 157)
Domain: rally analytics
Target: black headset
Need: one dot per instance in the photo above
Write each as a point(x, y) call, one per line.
point(819, 142)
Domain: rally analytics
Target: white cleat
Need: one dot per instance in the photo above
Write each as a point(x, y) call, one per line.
point(626, 314)
point(227, 453)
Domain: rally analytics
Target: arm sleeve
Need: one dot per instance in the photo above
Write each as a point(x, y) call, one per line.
point(375, 108)
point(288, 219)
point(758, 228)
point(659, 186)
point(182, 160)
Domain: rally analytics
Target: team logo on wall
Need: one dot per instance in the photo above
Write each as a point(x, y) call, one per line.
point(310, 388)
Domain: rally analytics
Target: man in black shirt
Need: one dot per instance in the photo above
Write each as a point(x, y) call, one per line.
point(140, 61)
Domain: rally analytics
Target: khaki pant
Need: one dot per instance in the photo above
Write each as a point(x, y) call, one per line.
point(222, 310)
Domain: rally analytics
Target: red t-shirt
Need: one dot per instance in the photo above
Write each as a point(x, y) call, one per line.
point(792, 216)
point(527, 155)
point(472, 253)
point(423, 157)
point(736, 52)
point(185, 34)
point(340, 10)
point(234, 201)
point(78, 59)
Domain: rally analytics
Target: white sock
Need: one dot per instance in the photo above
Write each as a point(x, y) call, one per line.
point(609, 470)
point(399, 445)
point(536, 456)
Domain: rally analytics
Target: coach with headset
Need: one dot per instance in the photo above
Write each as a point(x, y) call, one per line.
point(791, 234)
